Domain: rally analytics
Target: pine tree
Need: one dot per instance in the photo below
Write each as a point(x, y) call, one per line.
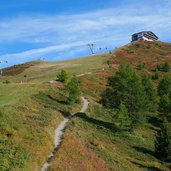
point(156, 76)
point(162, 142)
point(125, 87)
point(165, 104)
point(107, 97)
point(151, 92)
point(63, 76)
point(166, 67)
point(164, 91)
point(72, 90)
point(164, 87)
point(123, 117)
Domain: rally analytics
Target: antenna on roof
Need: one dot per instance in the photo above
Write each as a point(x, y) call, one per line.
point(91, 46)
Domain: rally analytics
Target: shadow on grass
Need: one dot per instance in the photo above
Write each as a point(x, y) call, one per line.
point(65, 114)
point(144, 150)
point(112, 127)
point(50, 102)
point(149, 168)
point(56, 100)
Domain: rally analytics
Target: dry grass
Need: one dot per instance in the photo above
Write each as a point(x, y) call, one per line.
point(151, 53)
point(75, 150)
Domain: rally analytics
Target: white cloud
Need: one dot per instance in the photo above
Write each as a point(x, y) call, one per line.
point(45, 50)
point(52, 28)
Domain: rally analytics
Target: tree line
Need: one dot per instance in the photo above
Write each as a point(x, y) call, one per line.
point(133, 96)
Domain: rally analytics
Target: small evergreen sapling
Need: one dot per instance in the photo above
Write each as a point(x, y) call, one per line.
point(71, 92)
point(63, 76)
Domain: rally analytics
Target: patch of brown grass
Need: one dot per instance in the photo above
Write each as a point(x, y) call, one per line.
point(75, 156)
point(143, 51)
point(16, 69)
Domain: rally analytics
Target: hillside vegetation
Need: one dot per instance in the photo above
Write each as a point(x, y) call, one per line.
point(42, 71)
point(138, 52)
point(30, 110)
point(93, 140)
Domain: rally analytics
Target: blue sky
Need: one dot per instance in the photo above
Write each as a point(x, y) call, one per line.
point(61, 29)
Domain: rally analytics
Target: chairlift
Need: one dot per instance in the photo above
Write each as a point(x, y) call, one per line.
point(91, 46)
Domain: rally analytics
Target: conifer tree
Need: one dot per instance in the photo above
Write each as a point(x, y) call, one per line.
point(123, 117)
point(166, 67)
point(162, 142)
point(72, 90)
point(165, 104)
point(63, 76)
point(125, 86)
point(156, 76)
point(164, 91)
point(151, 92)
point(164, 87)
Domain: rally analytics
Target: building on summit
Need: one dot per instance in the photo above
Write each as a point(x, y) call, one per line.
point(144, 35)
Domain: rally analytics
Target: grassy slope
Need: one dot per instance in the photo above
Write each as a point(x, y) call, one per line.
point(28, 114)
point(25, 125)
point(92, 138)
point(41, 71)
point(96, 133)
point(150, 53)
point(28, 118)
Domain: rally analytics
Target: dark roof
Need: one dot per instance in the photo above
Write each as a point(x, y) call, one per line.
point(146, 32)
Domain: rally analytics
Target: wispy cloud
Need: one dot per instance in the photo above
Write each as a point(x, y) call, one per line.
point(111, 26)
point(45, 50)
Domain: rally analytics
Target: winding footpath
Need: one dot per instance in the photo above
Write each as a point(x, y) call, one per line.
point(59, 134)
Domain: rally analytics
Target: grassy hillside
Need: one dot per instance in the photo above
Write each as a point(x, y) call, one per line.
point(26, 125)
point(40, 71)
point(92, 140)
point(16, 69)
point(142, 51)
point(30, 111)
point(150, 54)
